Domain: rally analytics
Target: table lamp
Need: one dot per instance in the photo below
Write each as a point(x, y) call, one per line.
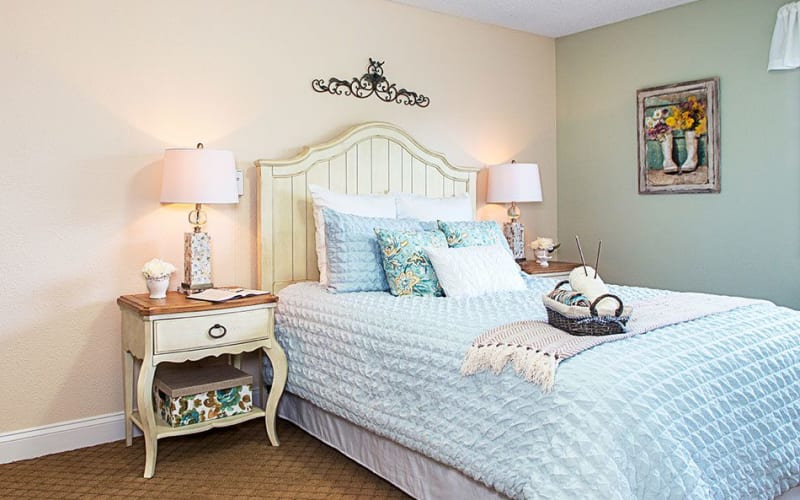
point(198, 176)
point(784, 51)
point(515, 183)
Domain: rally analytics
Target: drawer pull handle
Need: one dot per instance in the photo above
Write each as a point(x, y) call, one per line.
point(217, 327)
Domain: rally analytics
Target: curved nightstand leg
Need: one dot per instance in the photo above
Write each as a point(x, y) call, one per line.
point(144, 399)
point(280, 370)
point(127, 389)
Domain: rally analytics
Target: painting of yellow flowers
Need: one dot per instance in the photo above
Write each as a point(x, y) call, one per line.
point(678, 129)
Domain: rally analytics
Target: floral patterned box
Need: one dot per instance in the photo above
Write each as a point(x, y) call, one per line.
point(186, 394)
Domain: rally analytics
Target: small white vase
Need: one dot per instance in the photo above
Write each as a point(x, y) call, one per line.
point(690, 164)
point(542, 257)
point(158, 287)
point(669, 165)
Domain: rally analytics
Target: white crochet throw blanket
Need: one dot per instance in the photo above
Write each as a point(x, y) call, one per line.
point(535, 348)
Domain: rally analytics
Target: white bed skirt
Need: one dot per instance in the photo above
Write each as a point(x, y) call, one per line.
point(419, 476)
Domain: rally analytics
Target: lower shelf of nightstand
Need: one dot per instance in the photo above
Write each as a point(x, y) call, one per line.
point(163, 430)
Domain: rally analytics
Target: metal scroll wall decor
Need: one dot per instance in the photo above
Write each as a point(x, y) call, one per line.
point(371, 82)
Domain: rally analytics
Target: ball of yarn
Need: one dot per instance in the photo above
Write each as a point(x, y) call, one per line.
point(586, 284)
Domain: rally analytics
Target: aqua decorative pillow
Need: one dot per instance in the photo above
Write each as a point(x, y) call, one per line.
point(353, 257)
point(473, 233)
point(407, 267)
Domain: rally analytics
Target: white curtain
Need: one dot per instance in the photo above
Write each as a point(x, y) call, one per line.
point(785, 50)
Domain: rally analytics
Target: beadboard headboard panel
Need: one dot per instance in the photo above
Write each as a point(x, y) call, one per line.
point(371, 158)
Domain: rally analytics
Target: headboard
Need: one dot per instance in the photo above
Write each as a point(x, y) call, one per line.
point(373, 157)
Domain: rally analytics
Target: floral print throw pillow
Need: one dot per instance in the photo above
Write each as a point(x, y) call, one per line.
point(408, 269)
point(473, 233)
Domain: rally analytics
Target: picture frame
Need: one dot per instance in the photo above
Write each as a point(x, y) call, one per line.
point(678, 138)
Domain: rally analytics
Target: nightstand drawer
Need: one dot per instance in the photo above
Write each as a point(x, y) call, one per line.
point(200, 332)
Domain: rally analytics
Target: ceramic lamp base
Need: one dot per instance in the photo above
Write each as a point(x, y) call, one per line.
point(196, 261)
point(515, 235)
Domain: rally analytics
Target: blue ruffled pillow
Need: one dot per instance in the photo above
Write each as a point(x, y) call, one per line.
point(473, 233)
point(354, 259)
point(408, 269)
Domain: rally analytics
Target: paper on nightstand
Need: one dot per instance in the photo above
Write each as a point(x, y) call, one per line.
point(225, 294)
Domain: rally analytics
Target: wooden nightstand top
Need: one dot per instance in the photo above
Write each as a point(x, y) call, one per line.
point(178, 303)
point(555, 268)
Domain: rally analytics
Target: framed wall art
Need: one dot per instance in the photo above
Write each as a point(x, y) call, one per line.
point(678, 130)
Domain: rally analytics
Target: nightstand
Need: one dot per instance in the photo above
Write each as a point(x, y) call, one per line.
point(556, 269)
point(178, 329)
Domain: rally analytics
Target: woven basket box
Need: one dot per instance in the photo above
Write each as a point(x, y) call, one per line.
point(188, 395)
point(579, 320)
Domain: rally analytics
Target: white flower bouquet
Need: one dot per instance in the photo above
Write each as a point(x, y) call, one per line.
point(544, 244)
point(157, 269)
point(542, 248)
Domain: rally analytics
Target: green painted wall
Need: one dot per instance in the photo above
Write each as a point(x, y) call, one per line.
point(743, 241)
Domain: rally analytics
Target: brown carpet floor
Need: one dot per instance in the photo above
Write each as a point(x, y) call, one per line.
point(233, 462)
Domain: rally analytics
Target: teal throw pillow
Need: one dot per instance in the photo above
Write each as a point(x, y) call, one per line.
point(407, 267)
point(473, 233)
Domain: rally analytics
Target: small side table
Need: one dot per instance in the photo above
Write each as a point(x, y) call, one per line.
point(178, 329)
point(556, 269)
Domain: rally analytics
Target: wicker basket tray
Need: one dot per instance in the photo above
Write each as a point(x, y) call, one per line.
point(579, 320)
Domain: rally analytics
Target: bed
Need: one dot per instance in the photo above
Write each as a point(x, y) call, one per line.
point(704, 409)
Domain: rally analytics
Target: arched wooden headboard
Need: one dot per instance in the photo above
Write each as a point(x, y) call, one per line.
point(373, 157)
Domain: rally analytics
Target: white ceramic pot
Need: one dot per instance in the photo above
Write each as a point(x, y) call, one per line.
point(158, 287)
point(542, 257)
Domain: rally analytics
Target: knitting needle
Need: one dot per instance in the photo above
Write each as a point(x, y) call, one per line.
point(597, 262)
point(580, 250)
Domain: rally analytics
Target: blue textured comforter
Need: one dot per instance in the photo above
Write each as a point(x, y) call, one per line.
point(705, 409)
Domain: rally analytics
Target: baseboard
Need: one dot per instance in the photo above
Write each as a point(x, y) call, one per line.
point(65, 436)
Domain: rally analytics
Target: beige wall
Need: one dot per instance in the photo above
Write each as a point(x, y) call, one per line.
point(93, 91)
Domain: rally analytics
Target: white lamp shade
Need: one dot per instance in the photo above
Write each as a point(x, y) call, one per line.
point(514, 182)
point(199, 176)
point(784, 52)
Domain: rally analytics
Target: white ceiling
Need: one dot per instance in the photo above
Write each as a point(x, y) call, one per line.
point(553, 18)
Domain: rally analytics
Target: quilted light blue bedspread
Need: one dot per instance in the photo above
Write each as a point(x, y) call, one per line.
point(705, 409)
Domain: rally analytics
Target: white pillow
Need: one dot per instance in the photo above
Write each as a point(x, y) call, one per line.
point(433, 209)
point(476, 270)
point(367, 205)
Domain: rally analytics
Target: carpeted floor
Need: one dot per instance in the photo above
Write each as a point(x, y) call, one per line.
point(234, 462)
